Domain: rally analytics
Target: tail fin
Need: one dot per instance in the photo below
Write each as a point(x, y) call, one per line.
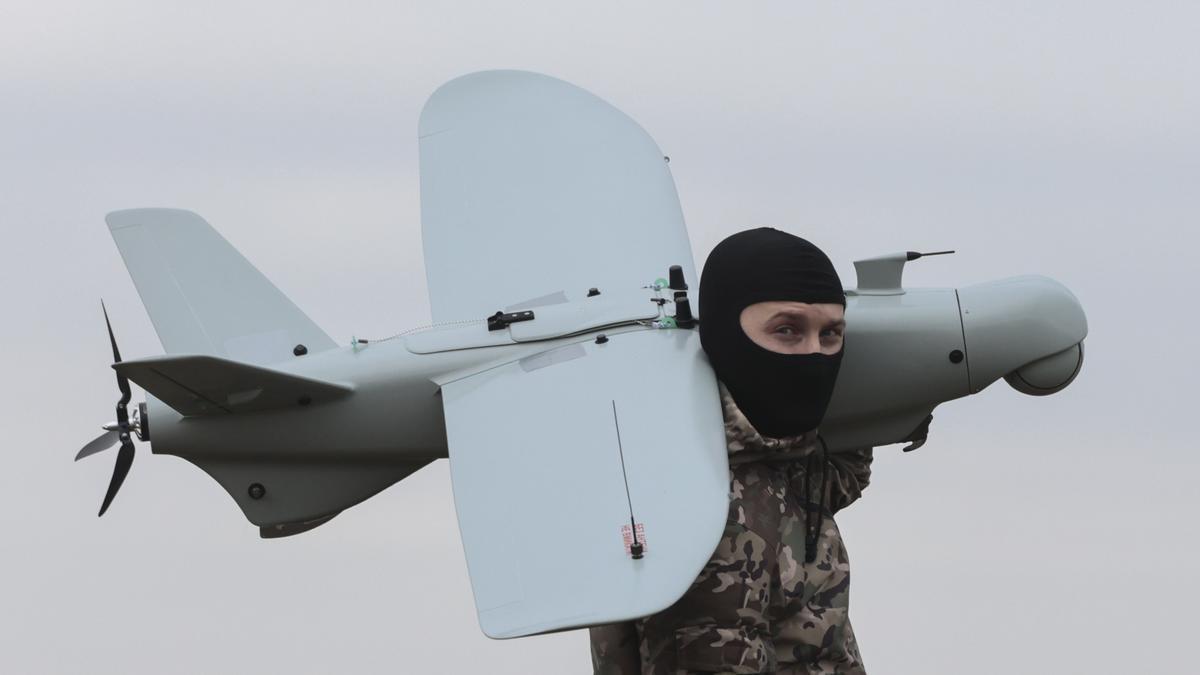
point(202, 296)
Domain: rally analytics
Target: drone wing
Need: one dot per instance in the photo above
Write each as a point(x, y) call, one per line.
point(533, 191)
point(551, 454)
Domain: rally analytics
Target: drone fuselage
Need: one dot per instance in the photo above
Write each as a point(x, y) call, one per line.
point(309, 458)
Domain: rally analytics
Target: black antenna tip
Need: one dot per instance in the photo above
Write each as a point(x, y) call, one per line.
point(675, 278)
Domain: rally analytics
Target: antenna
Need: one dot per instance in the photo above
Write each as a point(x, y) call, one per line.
point(635, 549)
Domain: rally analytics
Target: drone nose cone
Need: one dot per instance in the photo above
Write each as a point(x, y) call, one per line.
point(1029, 323)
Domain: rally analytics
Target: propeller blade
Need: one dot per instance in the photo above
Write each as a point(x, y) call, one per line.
point(122, 382)
point(101, 443)
point(120, 470)
point(111, 338)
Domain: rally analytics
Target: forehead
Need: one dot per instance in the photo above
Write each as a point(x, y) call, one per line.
point(764, 311)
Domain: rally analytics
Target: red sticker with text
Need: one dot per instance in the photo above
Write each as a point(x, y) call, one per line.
point(627, 537)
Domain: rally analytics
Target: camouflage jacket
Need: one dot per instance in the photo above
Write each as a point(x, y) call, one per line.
point(774, 597)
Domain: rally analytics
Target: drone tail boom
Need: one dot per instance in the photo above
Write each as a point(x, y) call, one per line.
point(204, 297)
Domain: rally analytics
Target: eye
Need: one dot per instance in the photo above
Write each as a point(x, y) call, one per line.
point(785, 329)
point(833, 332)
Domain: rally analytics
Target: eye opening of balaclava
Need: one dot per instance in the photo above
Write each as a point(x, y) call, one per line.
point(780, 394)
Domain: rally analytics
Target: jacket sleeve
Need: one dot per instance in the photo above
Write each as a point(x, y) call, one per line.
point(615, 649)
point(849, 475)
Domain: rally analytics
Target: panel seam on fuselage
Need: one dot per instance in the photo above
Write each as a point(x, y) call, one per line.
point(966, 352)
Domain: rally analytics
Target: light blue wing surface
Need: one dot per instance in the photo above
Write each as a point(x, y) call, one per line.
point(534, 189)
point(540, 472)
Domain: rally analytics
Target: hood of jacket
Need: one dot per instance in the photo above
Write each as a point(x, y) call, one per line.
point(745, 444)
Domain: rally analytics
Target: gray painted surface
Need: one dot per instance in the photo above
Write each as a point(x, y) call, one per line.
point(202, 295)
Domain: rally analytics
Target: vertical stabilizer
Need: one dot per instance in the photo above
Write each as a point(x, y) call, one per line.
point(202, 296)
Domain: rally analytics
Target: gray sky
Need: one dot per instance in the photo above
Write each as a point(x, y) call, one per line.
point(1034, 535)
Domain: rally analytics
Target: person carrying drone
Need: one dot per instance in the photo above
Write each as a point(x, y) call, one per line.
point(774, 597)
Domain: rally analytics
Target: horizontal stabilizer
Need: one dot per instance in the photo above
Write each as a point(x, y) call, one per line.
point(207, 385)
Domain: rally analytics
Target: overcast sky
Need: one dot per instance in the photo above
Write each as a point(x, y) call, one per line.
point(1040, 535)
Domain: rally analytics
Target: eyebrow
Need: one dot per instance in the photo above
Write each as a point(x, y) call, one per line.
point(840, 323)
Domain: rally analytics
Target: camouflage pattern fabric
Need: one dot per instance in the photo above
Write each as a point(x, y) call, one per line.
point(758, 606)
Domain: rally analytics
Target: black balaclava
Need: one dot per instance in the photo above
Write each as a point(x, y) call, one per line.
point(780, 394)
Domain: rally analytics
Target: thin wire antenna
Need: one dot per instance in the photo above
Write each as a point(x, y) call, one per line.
point(636, 548)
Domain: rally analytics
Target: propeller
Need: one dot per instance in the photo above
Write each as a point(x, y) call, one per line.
point(101, 443)
point(120, 431)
